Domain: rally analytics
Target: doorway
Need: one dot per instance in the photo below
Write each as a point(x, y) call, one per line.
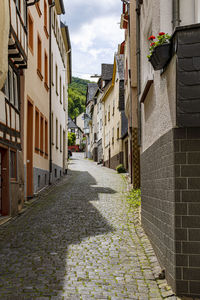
point(4, 182)
point(126, 155)
point(29, 151)
point(109, 158)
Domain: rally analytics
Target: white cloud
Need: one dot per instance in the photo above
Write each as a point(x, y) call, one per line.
point(95, 33)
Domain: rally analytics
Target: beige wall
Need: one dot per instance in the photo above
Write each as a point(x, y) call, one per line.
point(34, 87)
point(4, 33)
point(80, 121)
point(59, 103)
point(115, 119)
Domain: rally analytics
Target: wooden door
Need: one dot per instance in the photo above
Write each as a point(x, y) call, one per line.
point(29, 151)
point(4, 182)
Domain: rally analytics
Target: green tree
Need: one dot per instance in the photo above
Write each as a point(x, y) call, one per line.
point(77, 96)
point(71, 139)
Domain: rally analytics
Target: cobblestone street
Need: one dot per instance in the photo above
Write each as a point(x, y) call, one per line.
point(79, 241)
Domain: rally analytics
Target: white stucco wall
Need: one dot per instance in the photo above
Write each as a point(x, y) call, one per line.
point(159, 109)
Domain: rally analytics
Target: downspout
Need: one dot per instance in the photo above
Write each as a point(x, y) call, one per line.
point(176, 13)
point(138, 68)
point(50, 97)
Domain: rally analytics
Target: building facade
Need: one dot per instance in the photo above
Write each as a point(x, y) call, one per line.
point(36, 101)
point(114, 116)
point(128, 48)
point(170, 140)
point(59, 86)
point(91, 91)
point(13, 58)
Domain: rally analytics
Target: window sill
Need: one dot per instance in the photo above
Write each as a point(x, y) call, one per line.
point(39, 74)
point(46, 31)
point(146, 89)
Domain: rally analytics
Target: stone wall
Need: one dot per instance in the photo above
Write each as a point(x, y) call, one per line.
point(170, 185)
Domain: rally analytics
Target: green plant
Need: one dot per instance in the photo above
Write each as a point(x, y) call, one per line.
point(134, 198)
point(162, 38)
point(120, 169)
point(71, 138)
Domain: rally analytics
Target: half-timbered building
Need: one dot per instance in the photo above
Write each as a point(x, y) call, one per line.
point(11, 105)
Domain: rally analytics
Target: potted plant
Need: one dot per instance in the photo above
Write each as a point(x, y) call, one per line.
point(159, 50)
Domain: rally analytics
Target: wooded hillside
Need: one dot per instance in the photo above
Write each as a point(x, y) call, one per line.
point(77, 96)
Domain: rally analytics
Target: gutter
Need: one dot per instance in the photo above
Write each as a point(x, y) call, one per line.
point(176, 13)
point(50, 97)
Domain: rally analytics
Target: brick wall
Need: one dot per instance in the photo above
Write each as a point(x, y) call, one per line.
point(170, 184)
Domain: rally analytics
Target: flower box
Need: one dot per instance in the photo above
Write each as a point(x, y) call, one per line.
point(160, 56)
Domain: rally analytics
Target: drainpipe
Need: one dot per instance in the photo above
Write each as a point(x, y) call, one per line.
point(176, 13)
point(138, 68)
point(50, 97)
point(131, 104)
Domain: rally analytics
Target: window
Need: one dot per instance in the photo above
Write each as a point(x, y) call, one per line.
point(46, 70)
point(10, 79)
point(52, 77)
point(60, 138)
point(41, 135)
point(109, 113)
point(117, 130)
point(39, 57)
point(60, 90)
point(113, 135)
point(56, 79)
point(105, 118)
point(13, 165)
point(30, 33)
point(37, 130)
point(56, 134)
point(46, 138)
point(52, 129)
point(10, 88)
point(113, 107)
point(63, 97)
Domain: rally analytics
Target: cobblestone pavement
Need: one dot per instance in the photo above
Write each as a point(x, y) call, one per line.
point(79, 242)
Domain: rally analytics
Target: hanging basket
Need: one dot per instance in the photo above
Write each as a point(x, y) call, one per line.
point(160, 56)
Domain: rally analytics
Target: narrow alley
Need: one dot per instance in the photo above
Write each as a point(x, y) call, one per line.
point(76, 242)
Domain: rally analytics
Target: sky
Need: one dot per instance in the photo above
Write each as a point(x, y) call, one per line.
point(94, 32)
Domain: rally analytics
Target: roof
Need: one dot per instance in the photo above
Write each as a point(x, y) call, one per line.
point(120, 66)
point(71, 123)
point(106, 71)
point(91, 91)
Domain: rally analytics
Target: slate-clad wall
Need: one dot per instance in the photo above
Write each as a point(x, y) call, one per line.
point(170, 182)
point(157, 186)
point(187, 210)
point(187, 46)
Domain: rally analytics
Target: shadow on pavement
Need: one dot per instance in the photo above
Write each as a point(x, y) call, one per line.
point(34, 247)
